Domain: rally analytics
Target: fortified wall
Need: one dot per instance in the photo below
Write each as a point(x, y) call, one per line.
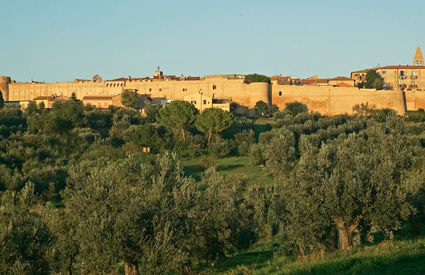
point(215, 87)
point(327, 100)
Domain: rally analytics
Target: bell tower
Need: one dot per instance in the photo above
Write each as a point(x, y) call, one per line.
point(419, 59)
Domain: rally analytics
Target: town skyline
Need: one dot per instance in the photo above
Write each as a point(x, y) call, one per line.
point(49, 41)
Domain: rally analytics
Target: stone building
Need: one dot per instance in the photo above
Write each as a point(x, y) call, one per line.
point(399, 77)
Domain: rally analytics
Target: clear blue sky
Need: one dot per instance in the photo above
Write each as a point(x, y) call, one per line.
point(59, 40)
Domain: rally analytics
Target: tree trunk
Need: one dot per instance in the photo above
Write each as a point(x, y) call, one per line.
point(345, 233)
point(209, 136)
point(344, 238)
point(130, 269)
point(183, 135)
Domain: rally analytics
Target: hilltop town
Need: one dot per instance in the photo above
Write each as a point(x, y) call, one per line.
point(402, 90)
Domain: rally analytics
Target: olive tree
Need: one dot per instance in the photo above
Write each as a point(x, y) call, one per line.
point(352, 180)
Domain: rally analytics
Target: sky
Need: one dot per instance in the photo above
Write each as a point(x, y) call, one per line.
point(60, 40)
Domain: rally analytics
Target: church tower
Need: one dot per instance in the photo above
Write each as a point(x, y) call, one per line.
point(419, 59)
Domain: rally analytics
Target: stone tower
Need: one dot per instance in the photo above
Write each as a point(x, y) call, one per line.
point(4, 87)
point(419, 59)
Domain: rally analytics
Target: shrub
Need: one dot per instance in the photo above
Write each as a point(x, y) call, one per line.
point(207, 162)
point(221, 147)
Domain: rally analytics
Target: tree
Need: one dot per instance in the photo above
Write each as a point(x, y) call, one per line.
point(374, 80)
point(1, 100)
point(214, 120)
point(152, 112)
point(133, 211)
point(250, 78)
point(132, 99)
point(294, 108)
point(178, 116)
point(264, 109)
point(353, 183)
point(24, 237)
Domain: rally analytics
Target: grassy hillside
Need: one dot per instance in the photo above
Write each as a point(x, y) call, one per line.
point(399, 257)
point(237, 166)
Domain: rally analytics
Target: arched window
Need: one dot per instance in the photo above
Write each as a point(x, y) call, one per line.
point(280, 93)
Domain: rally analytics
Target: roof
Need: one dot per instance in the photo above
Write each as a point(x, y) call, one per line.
point(310, 81)
point(341, 78)
point(119, 79)
point(361, 71)
point(401, 67)
point(343, 84)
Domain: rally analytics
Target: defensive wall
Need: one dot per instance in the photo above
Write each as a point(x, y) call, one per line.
point(415, 100)
point(327, 100)
point(234, 89)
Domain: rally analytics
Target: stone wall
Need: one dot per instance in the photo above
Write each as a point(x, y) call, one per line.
point(324, 99)
point(334, 101)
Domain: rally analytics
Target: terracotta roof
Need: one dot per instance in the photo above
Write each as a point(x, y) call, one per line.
point(341, 78)
point(119, 79)
point(343, 84)
point(310, 81)
point(362, 71)
point(402, 67)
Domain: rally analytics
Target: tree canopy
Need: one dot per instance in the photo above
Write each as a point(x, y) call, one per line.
point(374, 80)
point(214, 120)
point(178, 115)
point(250, 78)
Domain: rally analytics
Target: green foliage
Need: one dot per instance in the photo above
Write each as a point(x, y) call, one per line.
point(214, 120)
point(244, 140)
point(152, 112)
point(178, 116)
point(144, 135)
point(374, 80)
point(294, 108)
point(250, 78)
point(131, 99)
point(264, 109)
point(221, 147)
point(207, 162)
point(350, 182)
point(24, 237)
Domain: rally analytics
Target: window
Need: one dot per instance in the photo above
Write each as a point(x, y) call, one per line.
point(214, 87)
point(193, 102)
point(280, 93)
point(402, 73)
point(150, 89)
point(205, 102)
point(383, 72)
point(160, 89)
point(184, 89)
point(417, 62)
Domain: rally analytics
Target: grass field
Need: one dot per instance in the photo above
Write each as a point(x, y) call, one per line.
point(237, 166)
point(398, 257)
